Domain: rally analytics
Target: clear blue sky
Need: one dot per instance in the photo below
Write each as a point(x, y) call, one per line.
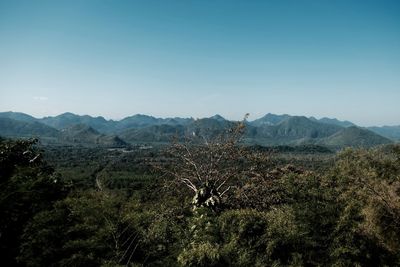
point(197, 58)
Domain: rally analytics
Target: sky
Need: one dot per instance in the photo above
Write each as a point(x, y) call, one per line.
point(322, 58)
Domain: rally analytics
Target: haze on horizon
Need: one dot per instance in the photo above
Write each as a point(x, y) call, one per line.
point(198, 58)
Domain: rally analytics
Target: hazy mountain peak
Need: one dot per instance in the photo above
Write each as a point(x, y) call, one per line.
point(336, 122)
point(270, 119)
point(68, 114)
point(18, 128)
point(139, 115)
point(218, 117)
point(296, 120)
point(19, 116)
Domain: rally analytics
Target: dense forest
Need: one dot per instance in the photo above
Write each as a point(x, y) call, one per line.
point(199, 202)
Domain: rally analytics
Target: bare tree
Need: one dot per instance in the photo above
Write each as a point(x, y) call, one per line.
point(209, 167)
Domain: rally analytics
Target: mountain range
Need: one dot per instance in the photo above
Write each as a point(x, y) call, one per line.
point(269, 130)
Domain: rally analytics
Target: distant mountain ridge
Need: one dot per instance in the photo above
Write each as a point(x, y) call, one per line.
point(12, 127)
point(293, 130)
point(69, 119)
point(334, 122)
point(19, 116)
point(270, 119)
point(391, 132)
point(270, 129)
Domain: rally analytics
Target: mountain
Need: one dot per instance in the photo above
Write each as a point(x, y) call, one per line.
point(391, 132)
point(300, 127)
point(218, 117)
point(18, 128)
point(273, 119)
point(355, 137)
point(79, 133)
point(18, 116)
point(137, 121)
point(269, 119)
point(293, 130)
point(84, 134)
point(335, 122)
point(109, 126)
point(141, 121)
point(206, 127)
point(270, 130)
point(69, 119)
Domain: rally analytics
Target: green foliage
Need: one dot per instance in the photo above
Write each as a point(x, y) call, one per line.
point(368, 185)
point(27, 186)
point(200, 254)
point(81, 230)
point(16, 128)
point(243, 234)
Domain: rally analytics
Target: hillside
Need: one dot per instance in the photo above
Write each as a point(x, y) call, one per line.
point(354, 137)
point(109, 126)
point(302, 127)
point(19, 116)
point(391, 132)
point(269, 119)
point(68, 119)
point(293, 130)
point(335, 122)
point(86, 135)
point(16, 128)
point(142, 121)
